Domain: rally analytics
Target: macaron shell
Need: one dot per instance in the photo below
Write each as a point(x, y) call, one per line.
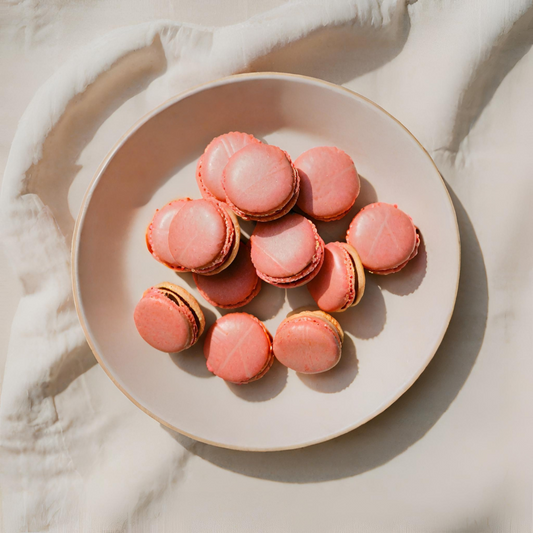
point(329, 183)
point(383, 235)
point(307, 344)
point(403, 265)
point(334, 287)
point(189, 299)
point(162, 324)
point(197, 235)
point(157, 233)
point(235, 286)
point(259, 179)
point(284, 247)
point(215, 158)
point(237, 348)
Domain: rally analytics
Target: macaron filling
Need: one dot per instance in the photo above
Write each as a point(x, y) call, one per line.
point(189, 311)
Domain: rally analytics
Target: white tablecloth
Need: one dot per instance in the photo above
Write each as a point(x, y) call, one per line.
point(453, 454)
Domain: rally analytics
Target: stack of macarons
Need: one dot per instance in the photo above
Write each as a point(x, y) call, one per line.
point(240, 176)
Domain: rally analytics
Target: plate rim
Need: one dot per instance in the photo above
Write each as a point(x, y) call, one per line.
point(75, 245)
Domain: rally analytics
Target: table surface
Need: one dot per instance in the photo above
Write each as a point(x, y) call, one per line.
point(449, 444)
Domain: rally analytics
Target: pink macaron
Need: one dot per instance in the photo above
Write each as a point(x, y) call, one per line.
point(385, 238)
point(203, 237)
point(260, 182)
point(235, 286)
point(309, 342)
point(238, 348)
point(168, 318)
point(287, 252)
point(157, 233)
point(329, 183)
point(215, 158)
point(340, 283)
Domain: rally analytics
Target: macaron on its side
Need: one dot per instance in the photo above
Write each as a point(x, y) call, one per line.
point(214, 159)
point(168, 318)
point(261, 182)
point(238, 348)
point(340, 283)
point(329, 183)
point(287, 252)
point(157, 233)
point(235, 286)
point(204, 237)
point(384, 236)
point(309, 342)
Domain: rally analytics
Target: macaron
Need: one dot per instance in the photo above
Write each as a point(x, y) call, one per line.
point(329, 183)
point(157, 233)
point(203, 237)
point(287, 252)
point(214, 159)
point(340, 283)
point(235, 286)
point(385, 238)
point(168, 318)
point(260, 182)
point(238, 348)
point(309, 342)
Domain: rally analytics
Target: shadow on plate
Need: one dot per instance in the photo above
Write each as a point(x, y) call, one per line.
point(339, 377)
point(404, 422)
point(263, 389)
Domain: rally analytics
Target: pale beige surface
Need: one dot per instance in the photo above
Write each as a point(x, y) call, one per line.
point(453, 454)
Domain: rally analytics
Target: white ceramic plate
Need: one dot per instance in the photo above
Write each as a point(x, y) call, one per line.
point(391, 335)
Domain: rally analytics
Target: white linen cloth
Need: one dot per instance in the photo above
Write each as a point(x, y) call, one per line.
point(452, 453)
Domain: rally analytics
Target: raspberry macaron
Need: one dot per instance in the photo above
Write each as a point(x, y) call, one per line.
point(157, 233)
point(287, 252)
point(260, 182)
point(238, 348)
point(309, 342)
point(215, 158)
point(235, 286)
point(168, 318)
point(340, 283)
point(385, 238)
point(203, 237)
point(329, 183)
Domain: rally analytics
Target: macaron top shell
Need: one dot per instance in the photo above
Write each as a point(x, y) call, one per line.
point(308, 343)
point(157, 233)
point(238, 348)
point(329, 183)
point(233, 287)
point(335, 286)
point(215, 158)
point(383, 235)
point(259, 179)
point(198, 234)
point(284, 247)
point(163, 324)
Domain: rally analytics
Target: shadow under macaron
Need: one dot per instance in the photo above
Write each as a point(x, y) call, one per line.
point(265, 388)
point(340, 376)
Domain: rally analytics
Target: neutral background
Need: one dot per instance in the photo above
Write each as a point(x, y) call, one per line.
point(453, 454)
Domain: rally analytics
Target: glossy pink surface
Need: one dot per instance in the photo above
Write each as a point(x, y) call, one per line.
point(237, 347)
point(307, 344)
point(235, 286)
point(384, 236)
point(284, 247)
point(329, 183)
point(259, 179)
point(158, 231)
point(199, 234)
point(214, 160)
point(163, 324)
point(333, 288)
